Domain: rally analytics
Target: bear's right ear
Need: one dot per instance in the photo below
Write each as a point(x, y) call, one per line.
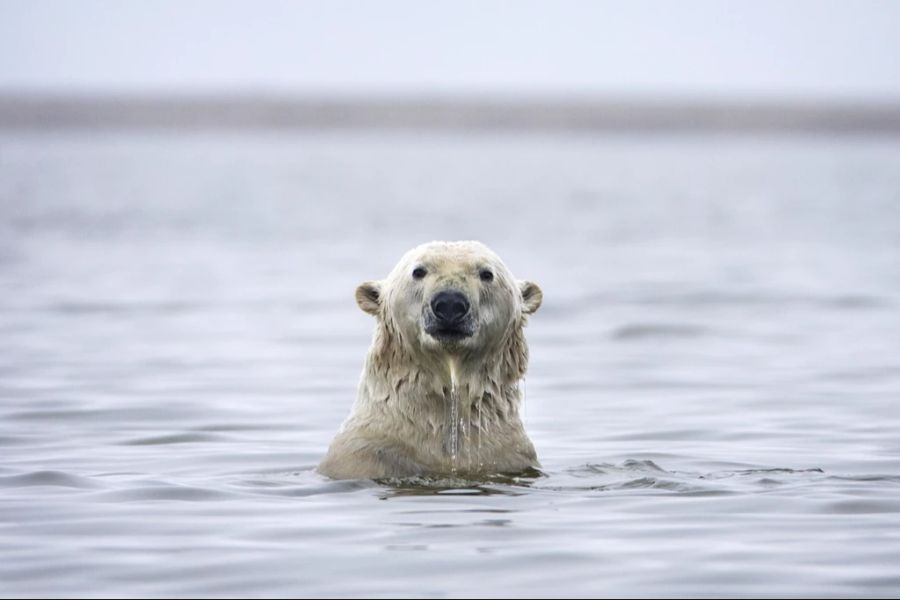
point(368, 296)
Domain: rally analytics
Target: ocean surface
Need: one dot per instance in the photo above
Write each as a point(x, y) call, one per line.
point(714, 389)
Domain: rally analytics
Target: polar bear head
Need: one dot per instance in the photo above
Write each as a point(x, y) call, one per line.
point(449, 298)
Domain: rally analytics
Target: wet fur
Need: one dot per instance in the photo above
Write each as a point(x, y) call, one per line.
point(400, 423)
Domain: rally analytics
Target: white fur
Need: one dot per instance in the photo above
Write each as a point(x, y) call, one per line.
point(401, 422)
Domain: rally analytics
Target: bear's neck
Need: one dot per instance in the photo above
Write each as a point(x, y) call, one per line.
point(457, 410)
point(416, 386)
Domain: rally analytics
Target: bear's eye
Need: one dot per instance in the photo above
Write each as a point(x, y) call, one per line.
point(419, 273)
point(486, 275)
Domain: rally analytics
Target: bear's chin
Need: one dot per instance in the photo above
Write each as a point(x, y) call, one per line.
point(447, 341)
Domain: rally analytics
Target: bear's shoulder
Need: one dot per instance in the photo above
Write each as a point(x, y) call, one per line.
point(369, 456)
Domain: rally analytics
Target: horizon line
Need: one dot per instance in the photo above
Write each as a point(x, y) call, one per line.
point(235, 110)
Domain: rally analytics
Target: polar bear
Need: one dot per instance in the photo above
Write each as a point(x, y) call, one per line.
point(439, 393)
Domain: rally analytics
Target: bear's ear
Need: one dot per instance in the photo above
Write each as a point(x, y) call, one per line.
point(368, 296)
point(532, 296)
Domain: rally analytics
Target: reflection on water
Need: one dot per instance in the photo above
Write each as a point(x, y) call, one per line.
point(712, 393)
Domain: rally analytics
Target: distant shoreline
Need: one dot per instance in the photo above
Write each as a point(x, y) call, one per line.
point(223, 112)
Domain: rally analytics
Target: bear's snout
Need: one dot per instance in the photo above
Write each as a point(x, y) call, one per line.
point(448, 317)
point(449, 307)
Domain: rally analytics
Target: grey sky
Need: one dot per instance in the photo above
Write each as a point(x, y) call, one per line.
point(794, 48)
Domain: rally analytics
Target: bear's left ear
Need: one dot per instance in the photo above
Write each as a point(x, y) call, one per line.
point(532, 296)
point(368, 296)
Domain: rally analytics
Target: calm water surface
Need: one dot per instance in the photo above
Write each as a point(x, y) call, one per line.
point(714, 389)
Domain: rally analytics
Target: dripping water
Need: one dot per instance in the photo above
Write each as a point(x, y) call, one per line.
point(454, 416)
point(480, 428)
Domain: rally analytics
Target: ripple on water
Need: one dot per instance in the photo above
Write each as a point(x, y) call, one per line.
point(183, 493)
point(299, 485)
point(48, 478)
point(636, 475)
point(177, 438)
point(658, 331)
point(632, 476)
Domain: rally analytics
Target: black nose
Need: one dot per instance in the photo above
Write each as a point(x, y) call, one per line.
point(449, 306)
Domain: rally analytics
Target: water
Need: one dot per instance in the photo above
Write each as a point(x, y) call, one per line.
point(713, 389)
point(454, 419)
